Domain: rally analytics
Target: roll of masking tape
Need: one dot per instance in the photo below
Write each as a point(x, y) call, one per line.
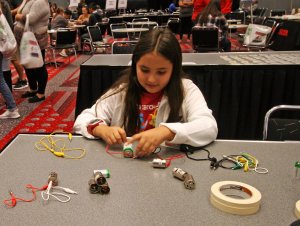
point(229, 204)
point(297, 209)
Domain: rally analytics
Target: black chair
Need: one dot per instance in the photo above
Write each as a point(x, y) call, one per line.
point(259, 12)
point(103, 27)
point(269, 39)
point(277, 12)
point(173, 24)
point(123, 47)
point(205, 39)
point(258, 16)
point(141, 22)
point(95, 40)
point(238, 15)
point(284, 124)
point(259, 20)
point(117, 34)
point(113, 20)
point(65, 39)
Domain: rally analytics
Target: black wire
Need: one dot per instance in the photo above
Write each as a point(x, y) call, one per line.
point(196, 159)
point(214, 163)
point(228, 160)
point(220, 163)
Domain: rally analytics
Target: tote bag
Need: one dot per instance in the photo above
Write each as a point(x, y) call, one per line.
point(8, 44)
point(256, 35)
point(30, 52)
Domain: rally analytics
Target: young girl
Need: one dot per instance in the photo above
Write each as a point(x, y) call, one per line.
point(152, 102)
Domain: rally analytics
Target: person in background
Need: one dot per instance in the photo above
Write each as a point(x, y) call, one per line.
point(211, 15)
point(67, 14)
point(79, 7)
point(84, 17)
point(152, 102)
point(172, 7)
point(59, 20)
point(53, 9)
point(95, 17)
point(39, 13)
point(22, 81)
point(185, 16)
point(96, 14)
point(11, 107)
point(226, 6)
point(7, 72)
point(199, 5)
point(6, 10)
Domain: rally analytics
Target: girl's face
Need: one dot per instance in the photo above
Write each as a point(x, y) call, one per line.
point(154, 72)
point(84, 10)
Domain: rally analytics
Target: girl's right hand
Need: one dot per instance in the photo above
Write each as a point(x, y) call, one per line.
point(110, 134)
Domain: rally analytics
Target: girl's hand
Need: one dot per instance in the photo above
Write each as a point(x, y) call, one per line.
point(150, 139)
point(110, 134)
point(19, 17)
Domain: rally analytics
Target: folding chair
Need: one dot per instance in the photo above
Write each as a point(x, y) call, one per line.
point(123, 47)
point(95, 40)
point(65, 39)
point(286, 127)
point(269, 39)
point(238, 15)
point(113, 20)
point(117, 34)
point(173, 24)
point(103, 27)
point(205, 39)
point(143, 23)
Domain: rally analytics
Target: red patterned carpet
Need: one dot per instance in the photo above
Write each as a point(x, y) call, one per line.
point(56, 113)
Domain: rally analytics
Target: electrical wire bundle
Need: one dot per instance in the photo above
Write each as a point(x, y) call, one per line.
point(58, 146)
point(243, 161)
point(47, 192)
point(52, 185)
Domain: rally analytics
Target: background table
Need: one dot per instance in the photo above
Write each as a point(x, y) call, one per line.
point(140, 194)
point(239, 87)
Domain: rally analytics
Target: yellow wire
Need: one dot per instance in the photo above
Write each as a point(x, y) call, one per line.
point(48, 143)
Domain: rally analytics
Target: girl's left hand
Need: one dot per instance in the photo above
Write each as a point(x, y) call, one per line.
point(19, 17)
point(150, 139)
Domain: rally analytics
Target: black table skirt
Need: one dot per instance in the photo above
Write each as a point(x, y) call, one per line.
point(238, 95)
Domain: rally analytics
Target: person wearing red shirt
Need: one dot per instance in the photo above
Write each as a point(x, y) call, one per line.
point(199, 5)
point(226, 6)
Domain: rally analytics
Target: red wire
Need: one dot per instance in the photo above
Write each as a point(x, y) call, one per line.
point(169, 159)
point(12, 202)
point(112, 152)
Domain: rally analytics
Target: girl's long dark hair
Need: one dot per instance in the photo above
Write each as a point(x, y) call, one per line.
point(213, 8)
point(165, 43)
